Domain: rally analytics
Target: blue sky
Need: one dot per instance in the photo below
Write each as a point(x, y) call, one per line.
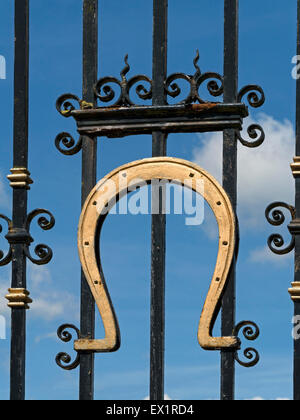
point(267, 45)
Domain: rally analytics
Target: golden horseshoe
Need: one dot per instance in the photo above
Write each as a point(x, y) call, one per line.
point(106, 193)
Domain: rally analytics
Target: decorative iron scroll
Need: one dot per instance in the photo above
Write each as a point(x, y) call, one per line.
point(44, 252)
point(250, 332)
point(64, 360)
point(256, 99)
point(14, 235)
point(5, 259)
point(105, 93)
point(92, 218)
point(214, 85)
point(276, 217)
point(65, 142)
point(68, 141)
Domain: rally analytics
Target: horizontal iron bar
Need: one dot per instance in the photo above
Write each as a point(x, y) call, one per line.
point(119, 131)
point(163, 111)
point(120, 122)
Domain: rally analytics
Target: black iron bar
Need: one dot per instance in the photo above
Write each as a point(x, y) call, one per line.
point(297, 237)
point(120, 122)
point(231, 24)
point(89, 179)
point(18, 318)
point(159, 148)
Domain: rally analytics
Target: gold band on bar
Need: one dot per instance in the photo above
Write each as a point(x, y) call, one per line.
point(294, 291)
point(296, 167)
point(20, 178)
point(18, 298)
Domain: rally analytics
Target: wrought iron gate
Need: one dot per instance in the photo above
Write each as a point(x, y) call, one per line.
point(121, 117)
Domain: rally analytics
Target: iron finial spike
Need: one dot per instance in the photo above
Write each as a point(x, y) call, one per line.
point(196, 61)
point(126, 68)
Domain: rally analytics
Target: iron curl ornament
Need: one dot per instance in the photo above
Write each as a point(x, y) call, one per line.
point(5, 259)
point(64, 105)
point(255, 98)
point(64, 360)
point(70, 146)
point(105, 93)
point(46, 222)
point(276, 217)
point(214, 86)
point(251, 332)
point(23, 236)
point(64, 141)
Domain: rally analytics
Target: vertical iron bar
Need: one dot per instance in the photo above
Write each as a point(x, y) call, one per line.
point(297, 237)
point(21, 74)
point(89, 178)
point(159, 148)
point(231, 24)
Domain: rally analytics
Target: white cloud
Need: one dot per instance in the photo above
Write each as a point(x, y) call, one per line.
point(265, 255)
point(51, 305)
point(264, 173)
point(38, 276)
point(4, 197)
point(48, 303)
point(49, 336)
point(4, 309)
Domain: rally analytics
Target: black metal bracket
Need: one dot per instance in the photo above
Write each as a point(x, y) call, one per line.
point(64, 360)
point(124, 117)
point(276, 217)
point(121, 122)
point(256, 99)
point(251, 332)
